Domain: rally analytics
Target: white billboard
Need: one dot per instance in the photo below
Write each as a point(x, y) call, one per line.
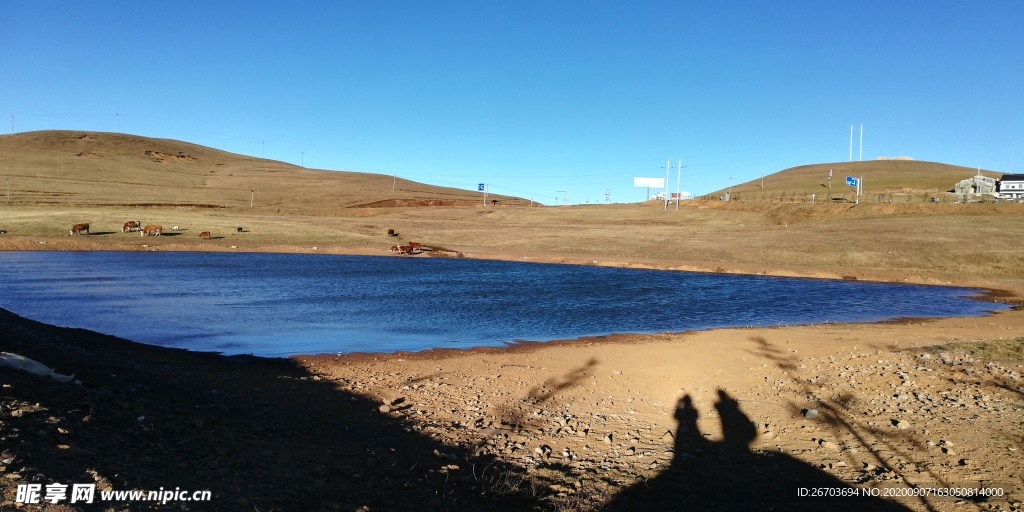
point(649, 182)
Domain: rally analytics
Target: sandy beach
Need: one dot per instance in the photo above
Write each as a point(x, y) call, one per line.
point(734, 419)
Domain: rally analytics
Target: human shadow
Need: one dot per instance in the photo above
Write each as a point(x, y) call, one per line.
point(260, 434)
point(728, 475)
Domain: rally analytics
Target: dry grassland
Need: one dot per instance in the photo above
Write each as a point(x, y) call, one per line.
point(965, 240)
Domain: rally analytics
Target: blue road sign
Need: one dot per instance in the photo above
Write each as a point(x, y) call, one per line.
point(481, 187)
point(851, 181)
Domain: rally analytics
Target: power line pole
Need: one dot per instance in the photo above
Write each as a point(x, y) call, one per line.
point(252, 196)
point(668, 165)
point(851, 142)
point(117, 122)
point(860, 156)
point(679, 175)
point(564, 200)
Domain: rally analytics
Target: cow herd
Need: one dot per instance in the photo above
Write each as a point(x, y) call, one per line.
point(157, 230)
point(411, 248)
point(136, 226)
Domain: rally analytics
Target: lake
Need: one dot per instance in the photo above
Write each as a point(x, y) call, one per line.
point(287, 304)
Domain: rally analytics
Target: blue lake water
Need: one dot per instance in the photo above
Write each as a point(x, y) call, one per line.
point(286, 304)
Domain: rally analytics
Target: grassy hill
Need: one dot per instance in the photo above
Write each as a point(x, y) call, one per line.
point(74, 168)
point(884, 180)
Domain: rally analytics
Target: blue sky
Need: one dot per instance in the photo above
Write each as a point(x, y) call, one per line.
point(531, 97)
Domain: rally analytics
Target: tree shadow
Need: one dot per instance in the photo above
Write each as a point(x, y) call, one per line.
point(514, 415)
point(728, 475)
point(260, 434)
point(885, 446)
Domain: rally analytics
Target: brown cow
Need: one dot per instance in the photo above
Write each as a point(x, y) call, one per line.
point(132, 225)
point(78, 228)
point(152, 229)
point(205, 234)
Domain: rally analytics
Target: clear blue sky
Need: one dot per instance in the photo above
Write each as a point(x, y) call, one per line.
point(531, 97)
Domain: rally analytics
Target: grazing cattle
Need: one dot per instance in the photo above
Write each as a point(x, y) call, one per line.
point(412, 248)
point(77, 229)
point(152, 229)
point(131, 225)
point(205, 234)
point(175, 228)
point(241, 230)
point(391, 232)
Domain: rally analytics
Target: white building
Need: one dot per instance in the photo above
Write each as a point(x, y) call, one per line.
point(1011, 186)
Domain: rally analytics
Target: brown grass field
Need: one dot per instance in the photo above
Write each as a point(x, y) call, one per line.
point(62, 178)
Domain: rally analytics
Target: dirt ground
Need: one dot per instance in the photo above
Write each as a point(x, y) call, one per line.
point(730, 419)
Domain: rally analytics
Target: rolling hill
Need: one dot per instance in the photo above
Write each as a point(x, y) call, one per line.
point(75, 168)
point(897, 180)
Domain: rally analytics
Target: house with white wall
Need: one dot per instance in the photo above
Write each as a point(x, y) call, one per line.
point(1011, 186)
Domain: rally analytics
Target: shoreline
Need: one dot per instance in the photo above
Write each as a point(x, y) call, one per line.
point(1014, 301)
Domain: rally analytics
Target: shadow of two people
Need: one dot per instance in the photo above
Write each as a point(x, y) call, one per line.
point(727, 475)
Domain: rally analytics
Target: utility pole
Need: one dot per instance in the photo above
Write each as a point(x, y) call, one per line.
point(117, 122)
point(668, 165)
point(564, 200)
point(252, 196)
point(394, 180)
point(679, 175)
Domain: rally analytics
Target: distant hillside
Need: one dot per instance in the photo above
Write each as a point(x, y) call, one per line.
point(899, 180)
point(89, 168)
